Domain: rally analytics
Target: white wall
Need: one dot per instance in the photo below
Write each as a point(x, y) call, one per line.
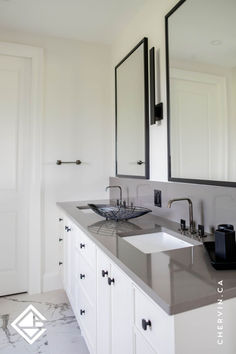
point(149, 22)
point(77, 125)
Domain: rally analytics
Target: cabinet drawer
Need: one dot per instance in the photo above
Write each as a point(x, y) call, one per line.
point(86, 248)
point(156, 326)
point(86, 314)
point(86, 277)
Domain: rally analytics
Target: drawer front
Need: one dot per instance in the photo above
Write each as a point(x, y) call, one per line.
point(86, 277)
point(86, 314)
point(156, 326)
point(86, 248)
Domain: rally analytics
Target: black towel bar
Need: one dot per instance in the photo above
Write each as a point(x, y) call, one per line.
point(77, 162)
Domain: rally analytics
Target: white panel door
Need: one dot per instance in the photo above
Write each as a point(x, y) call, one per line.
point(15, 80)
point(198, 125)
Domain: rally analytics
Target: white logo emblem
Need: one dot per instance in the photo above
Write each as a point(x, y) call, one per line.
point(30, 324)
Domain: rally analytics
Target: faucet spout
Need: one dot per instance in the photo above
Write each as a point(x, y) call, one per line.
point(109, 187)
point(191, 222)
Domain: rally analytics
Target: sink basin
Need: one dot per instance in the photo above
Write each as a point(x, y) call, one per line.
point(85, 209)
point(156, 242)
point(111, 212)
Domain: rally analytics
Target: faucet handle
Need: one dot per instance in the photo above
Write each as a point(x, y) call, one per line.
point(201, 231)
point(183, 225)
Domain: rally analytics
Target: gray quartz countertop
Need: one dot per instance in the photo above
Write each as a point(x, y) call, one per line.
point(178, 280)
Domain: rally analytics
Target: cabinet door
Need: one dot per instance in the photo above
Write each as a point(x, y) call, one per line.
point(66, 257)
point(141, 345)
point(122, 304)
point(159, 329)
point(103, 305)
point(69, 260)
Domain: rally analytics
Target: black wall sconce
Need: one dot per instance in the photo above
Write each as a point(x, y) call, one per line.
point(156, 110)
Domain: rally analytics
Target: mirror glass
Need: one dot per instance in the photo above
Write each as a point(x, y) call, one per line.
point(201, 86)
point(132, 125)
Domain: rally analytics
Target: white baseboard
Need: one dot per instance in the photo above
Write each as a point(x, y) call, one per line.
point(52, 281)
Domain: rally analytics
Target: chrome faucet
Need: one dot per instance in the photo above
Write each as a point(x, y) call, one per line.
point(108, 187)
point(191, 222)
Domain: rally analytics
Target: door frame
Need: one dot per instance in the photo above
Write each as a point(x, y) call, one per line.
point(36, 114)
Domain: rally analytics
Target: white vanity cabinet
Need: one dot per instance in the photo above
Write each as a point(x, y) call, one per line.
point(107, 304)
point(117, 317)
point(79, 279)
point(114, 308)
point(85, 287)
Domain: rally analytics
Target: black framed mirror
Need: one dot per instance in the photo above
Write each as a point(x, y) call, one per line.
point(132, 113)
point(201, 92)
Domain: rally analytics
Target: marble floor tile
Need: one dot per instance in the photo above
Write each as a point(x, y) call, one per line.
point(63, 335)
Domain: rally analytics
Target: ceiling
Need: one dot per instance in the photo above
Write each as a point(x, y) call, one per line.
point(87, 20)
point(204, 31)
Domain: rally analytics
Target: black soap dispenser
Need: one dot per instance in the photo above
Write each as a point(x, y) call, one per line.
point(225, 246)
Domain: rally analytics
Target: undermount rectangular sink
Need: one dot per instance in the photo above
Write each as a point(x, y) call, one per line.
point(156, 242)
point(85, 209)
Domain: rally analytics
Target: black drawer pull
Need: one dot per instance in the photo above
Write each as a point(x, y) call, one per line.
point(60, 263)
point(60, 239)
point(82, 312)
point(82, 276)
point(110, 281)
point(82, 245)
point(60, 219)
point(104, 273)
point(145, 324)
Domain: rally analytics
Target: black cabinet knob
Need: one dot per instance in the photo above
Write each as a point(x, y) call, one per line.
point(110, 280)
point(60, 239)
point(82, 312)
point(82, 245)
point(104, 273)
point(60, 219)
point(68, 229)
point(60, 263)
point(82, 276)
point(145, 324)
